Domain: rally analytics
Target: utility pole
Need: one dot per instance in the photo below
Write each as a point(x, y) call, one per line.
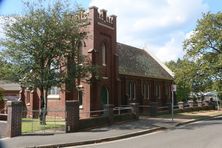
point(173, 89)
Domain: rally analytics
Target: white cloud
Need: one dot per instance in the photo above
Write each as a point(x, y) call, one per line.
point(159, 24)
point(171, 50)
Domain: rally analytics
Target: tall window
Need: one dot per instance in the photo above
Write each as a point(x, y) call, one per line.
point(146, 91)
point(132, 90)
point(53, 91)
point(80, 95)
point(103, 55)
point(129, 91)
point(157, 90)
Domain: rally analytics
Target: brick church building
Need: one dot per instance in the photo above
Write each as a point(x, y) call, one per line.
point(128, 74)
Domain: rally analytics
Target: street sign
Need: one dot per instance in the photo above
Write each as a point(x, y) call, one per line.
point(173, 87)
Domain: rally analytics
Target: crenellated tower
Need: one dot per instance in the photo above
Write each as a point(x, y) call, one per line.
point(100, 46)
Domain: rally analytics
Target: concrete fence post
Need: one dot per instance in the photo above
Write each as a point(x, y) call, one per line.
point(14, 119)
point(135, 109)
point(72, 116)
point(190, 103)
point(109, 112)
point(181, 105)
point(199, 103)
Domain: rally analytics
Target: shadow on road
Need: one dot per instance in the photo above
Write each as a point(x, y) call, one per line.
point(209, 122)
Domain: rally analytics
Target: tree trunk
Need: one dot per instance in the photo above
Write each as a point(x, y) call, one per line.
point(43, 110)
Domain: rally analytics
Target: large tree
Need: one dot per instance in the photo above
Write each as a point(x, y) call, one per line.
point(185, 73)
point(44, 43)
point(8, 71)
point(204, 47)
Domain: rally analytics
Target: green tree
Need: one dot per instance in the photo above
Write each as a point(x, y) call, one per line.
point(204, 47)
point(45, 43)
point(8, 71)
point(185, 74)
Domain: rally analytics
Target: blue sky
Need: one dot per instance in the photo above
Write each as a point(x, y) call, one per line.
point(159, 26)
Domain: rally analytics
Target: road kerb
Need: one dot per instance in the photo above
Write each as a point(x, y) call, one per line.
point(120, 136)
point(101, 140)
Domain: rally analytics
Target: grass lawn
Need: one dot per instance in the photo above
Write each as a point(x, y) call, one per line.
point(30, 125)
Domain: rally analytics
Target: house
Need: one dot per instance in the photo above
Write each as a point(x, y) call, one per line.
point(9, 91)
point(128, 74)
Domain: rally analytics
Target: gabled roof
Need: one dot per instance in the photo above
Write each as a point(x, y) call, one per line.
point(9, 86)
point(137, 62)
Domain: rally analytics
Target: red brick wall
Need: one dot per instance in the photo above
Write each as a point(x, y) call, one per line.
point(164, 93)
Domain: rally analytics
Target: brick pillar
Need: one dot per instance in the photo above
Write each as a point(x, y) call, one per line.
point(109, 112)
point(135, 109)
point(72, 116)
point(14, 118)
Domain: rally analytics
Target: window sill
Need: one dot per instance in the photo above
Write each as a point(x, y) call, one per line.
point(53, 97)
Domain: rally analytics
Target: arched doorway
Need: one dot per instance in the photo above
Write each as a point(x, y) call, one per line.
point(104, 96)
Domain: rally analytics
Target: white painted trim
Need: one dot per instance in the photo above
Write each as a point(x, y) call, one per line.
point(53, 97)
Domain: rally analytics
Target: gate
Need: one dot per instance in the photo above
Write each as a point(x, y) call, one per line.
point(55, 122)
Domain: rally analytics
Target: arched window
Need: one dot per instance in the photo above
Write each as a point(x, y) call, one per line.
point(103, 54)
point(104, 96)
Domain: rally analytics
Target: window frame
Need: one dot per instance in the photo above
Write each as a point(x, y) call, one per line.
point(104, 58)
point(54, 96)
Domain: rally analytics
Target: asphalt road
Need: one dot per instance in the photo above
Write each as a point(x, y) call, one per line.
point(203, 134)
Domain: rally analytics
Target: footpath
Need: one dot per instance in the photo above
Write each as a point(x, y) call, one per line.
point(114, 132)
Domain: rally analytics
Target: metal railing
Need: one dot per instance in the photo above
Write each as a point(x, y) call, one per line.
point(55, 122)
point(97, 113)
point(122, 109)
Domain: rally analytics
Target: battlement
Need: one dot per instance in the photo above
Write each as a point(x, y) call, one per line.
point(106, 19)
point(102, 16)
